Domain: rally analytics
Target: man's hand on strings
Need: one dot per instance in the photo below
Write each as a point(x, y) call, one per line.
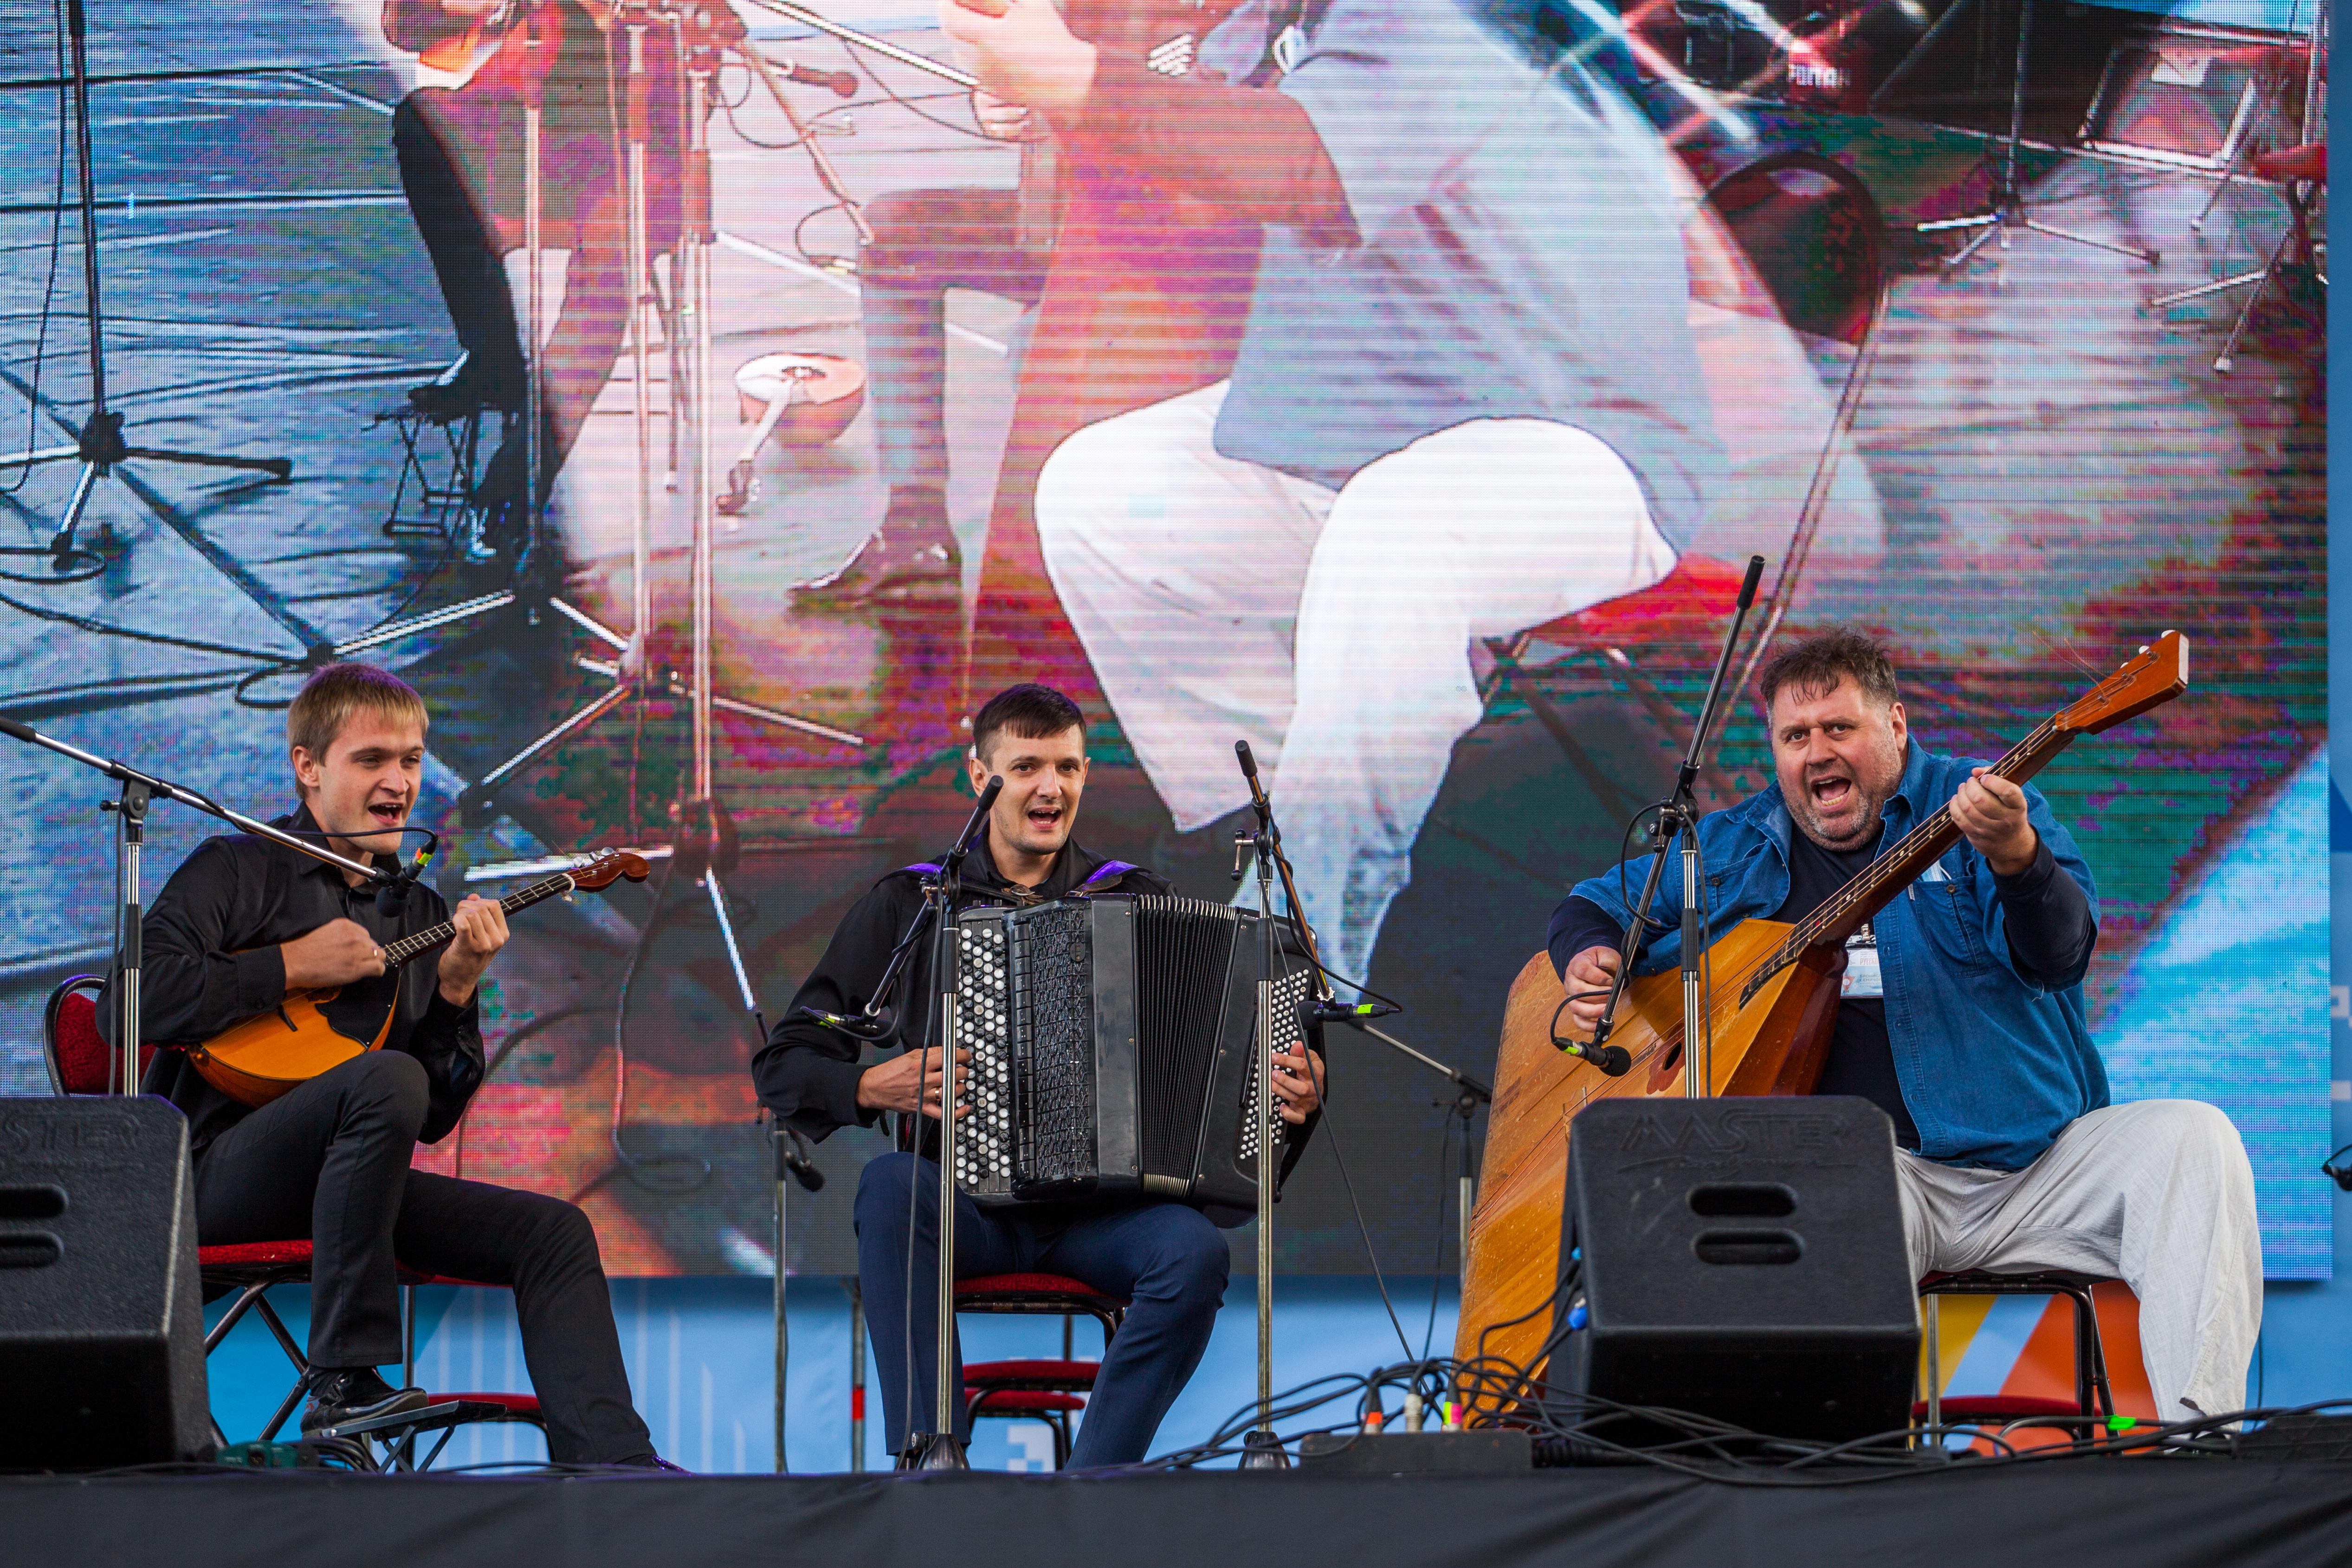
point(903, 1081)
point(1027, 56)
point(1594, 969)
point(1992, 811)
point(1005, 121)
point(481, 925)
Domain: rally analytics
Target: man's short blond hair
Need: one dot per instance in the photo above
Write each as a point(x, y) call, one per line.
point(332, 695)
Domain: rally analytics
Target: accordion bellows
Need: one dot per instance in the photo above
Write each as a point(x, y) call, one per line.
point(1112, 1049)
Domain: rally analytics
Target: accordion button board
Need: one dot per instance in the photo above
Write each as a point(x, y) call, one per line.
point(1113, 1050)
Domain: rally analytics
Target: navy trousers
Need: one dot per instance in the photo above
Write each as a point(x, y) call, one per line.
point(1167, 1260)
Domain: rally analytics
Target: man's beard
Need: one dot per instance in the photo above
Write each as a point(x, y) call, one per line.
point(1865, 824)
point(1866, 827)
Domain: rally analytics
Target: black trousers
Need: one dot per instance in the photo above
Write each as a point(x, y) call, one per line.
point(590, 327)
point(330, 1161)
point(926, 243)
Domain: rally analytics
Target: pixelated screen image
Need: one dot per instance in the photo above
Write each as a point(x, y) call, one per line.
point(1400, 386)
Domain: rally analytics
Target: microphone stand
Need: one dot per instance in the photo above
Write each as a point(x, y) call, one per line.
point(1471, 1091)
point(792, 1165)
point(99, 446)
point(130, 809)
point(1677, 819)
point(941, 1450)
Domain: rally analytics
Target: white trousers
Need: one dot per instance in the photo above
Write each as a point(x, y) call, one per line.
point(2156, 1194)
point(1219, 602)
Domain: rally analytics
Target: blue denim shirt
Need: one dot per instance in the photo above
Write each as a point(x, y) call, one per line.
point(1993, 1062)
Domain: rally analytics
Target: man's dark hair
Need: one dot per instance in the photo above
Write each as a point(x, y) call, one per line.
point(1816, 666)
point(1029, 711)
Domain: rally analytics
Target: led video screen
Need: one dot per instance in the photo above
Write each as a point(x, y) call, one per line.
point(1414, 428)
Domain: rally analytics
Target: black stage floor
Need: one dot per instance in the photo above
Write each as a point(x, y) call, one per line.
point(2148, 1512)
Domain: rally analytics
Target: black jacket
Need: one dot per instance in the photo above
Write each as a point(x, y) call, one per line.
point(807, 1074)
point(209, 958)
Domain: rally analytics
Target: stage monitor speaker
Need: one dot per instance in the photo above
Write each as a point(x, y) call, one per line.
point(1742, 1259)
point(101, 1322)
point(2180, 95)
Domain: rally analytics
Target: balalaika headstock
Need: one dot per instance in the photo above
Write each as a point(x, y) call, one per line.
point(607, 867)
point(2154, 677)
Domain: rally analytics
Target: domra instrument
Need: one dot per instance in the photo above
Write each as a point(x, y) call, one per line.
point(1771, 1003)
point(255, 1062)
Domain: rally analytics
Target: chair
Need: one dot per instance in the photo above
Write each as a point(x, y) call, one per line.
point(1806, 243)
point(2300, 173)
point(1042, 1390)
point(80, 1063)
point(1027, 1394)
point(2094, 1398)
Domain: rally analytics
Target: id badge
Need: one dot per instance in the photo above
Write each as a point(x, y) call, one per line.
point(1861, 979)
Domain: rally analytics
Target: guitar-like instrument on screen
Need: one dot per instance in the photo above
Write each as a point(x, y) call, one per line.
point(257, 1061)
point(1771, 1003)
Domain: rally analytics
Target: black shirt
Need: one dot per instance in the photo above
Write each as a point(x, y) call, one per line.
point(1861, 1058)
point(807, 1074)
point(2049, 929)
point(210, 958)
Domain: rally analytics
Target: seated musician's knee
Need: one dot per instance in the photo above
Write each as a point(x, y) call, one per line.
point(389, 1084)
point(1121, 481)
point(884, 1188)
point(1191, 1263)
point(2189, 1131)
point(563, 1233)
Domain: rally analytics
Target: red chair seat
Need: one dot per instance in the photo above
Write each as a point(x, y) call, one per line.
point(1068, 1376)
point(1029, 1293)
point(1687, 605)
point(2309, 162)
point(1019, 1402)
point(518, 1407)
point(244, 1262)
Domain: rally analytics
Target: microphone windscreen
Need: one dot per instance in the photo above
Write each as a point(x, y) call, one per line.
point(1249, 763)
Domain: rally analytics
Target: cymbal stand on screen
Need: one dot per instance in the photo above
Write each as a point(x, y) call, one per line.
point(699, 32)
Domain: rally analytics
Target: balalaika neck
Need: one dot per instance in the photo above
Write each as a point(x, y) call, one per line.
point(395, 954)
point(1845, 912)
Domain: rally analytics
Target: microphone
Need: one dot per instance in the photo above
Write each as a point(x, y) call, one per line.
point(988, 795)
point(792, 1156)
point(1249, 763)
point(392, 897)
point(842, 84)
point(1748, 586)
point(1613, 1060)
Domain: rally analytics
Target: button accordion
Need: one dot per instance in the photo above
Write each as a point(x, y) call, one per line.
point(1113, 1050)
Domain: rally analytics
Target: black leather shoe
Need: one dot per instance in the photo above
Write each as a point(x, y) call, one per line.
point(467, 385)
point(911, 560)
point(357, 1394)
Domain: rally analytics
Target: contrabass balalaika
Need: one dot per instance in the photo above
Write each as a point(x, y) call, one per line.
point(1112, 1044)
